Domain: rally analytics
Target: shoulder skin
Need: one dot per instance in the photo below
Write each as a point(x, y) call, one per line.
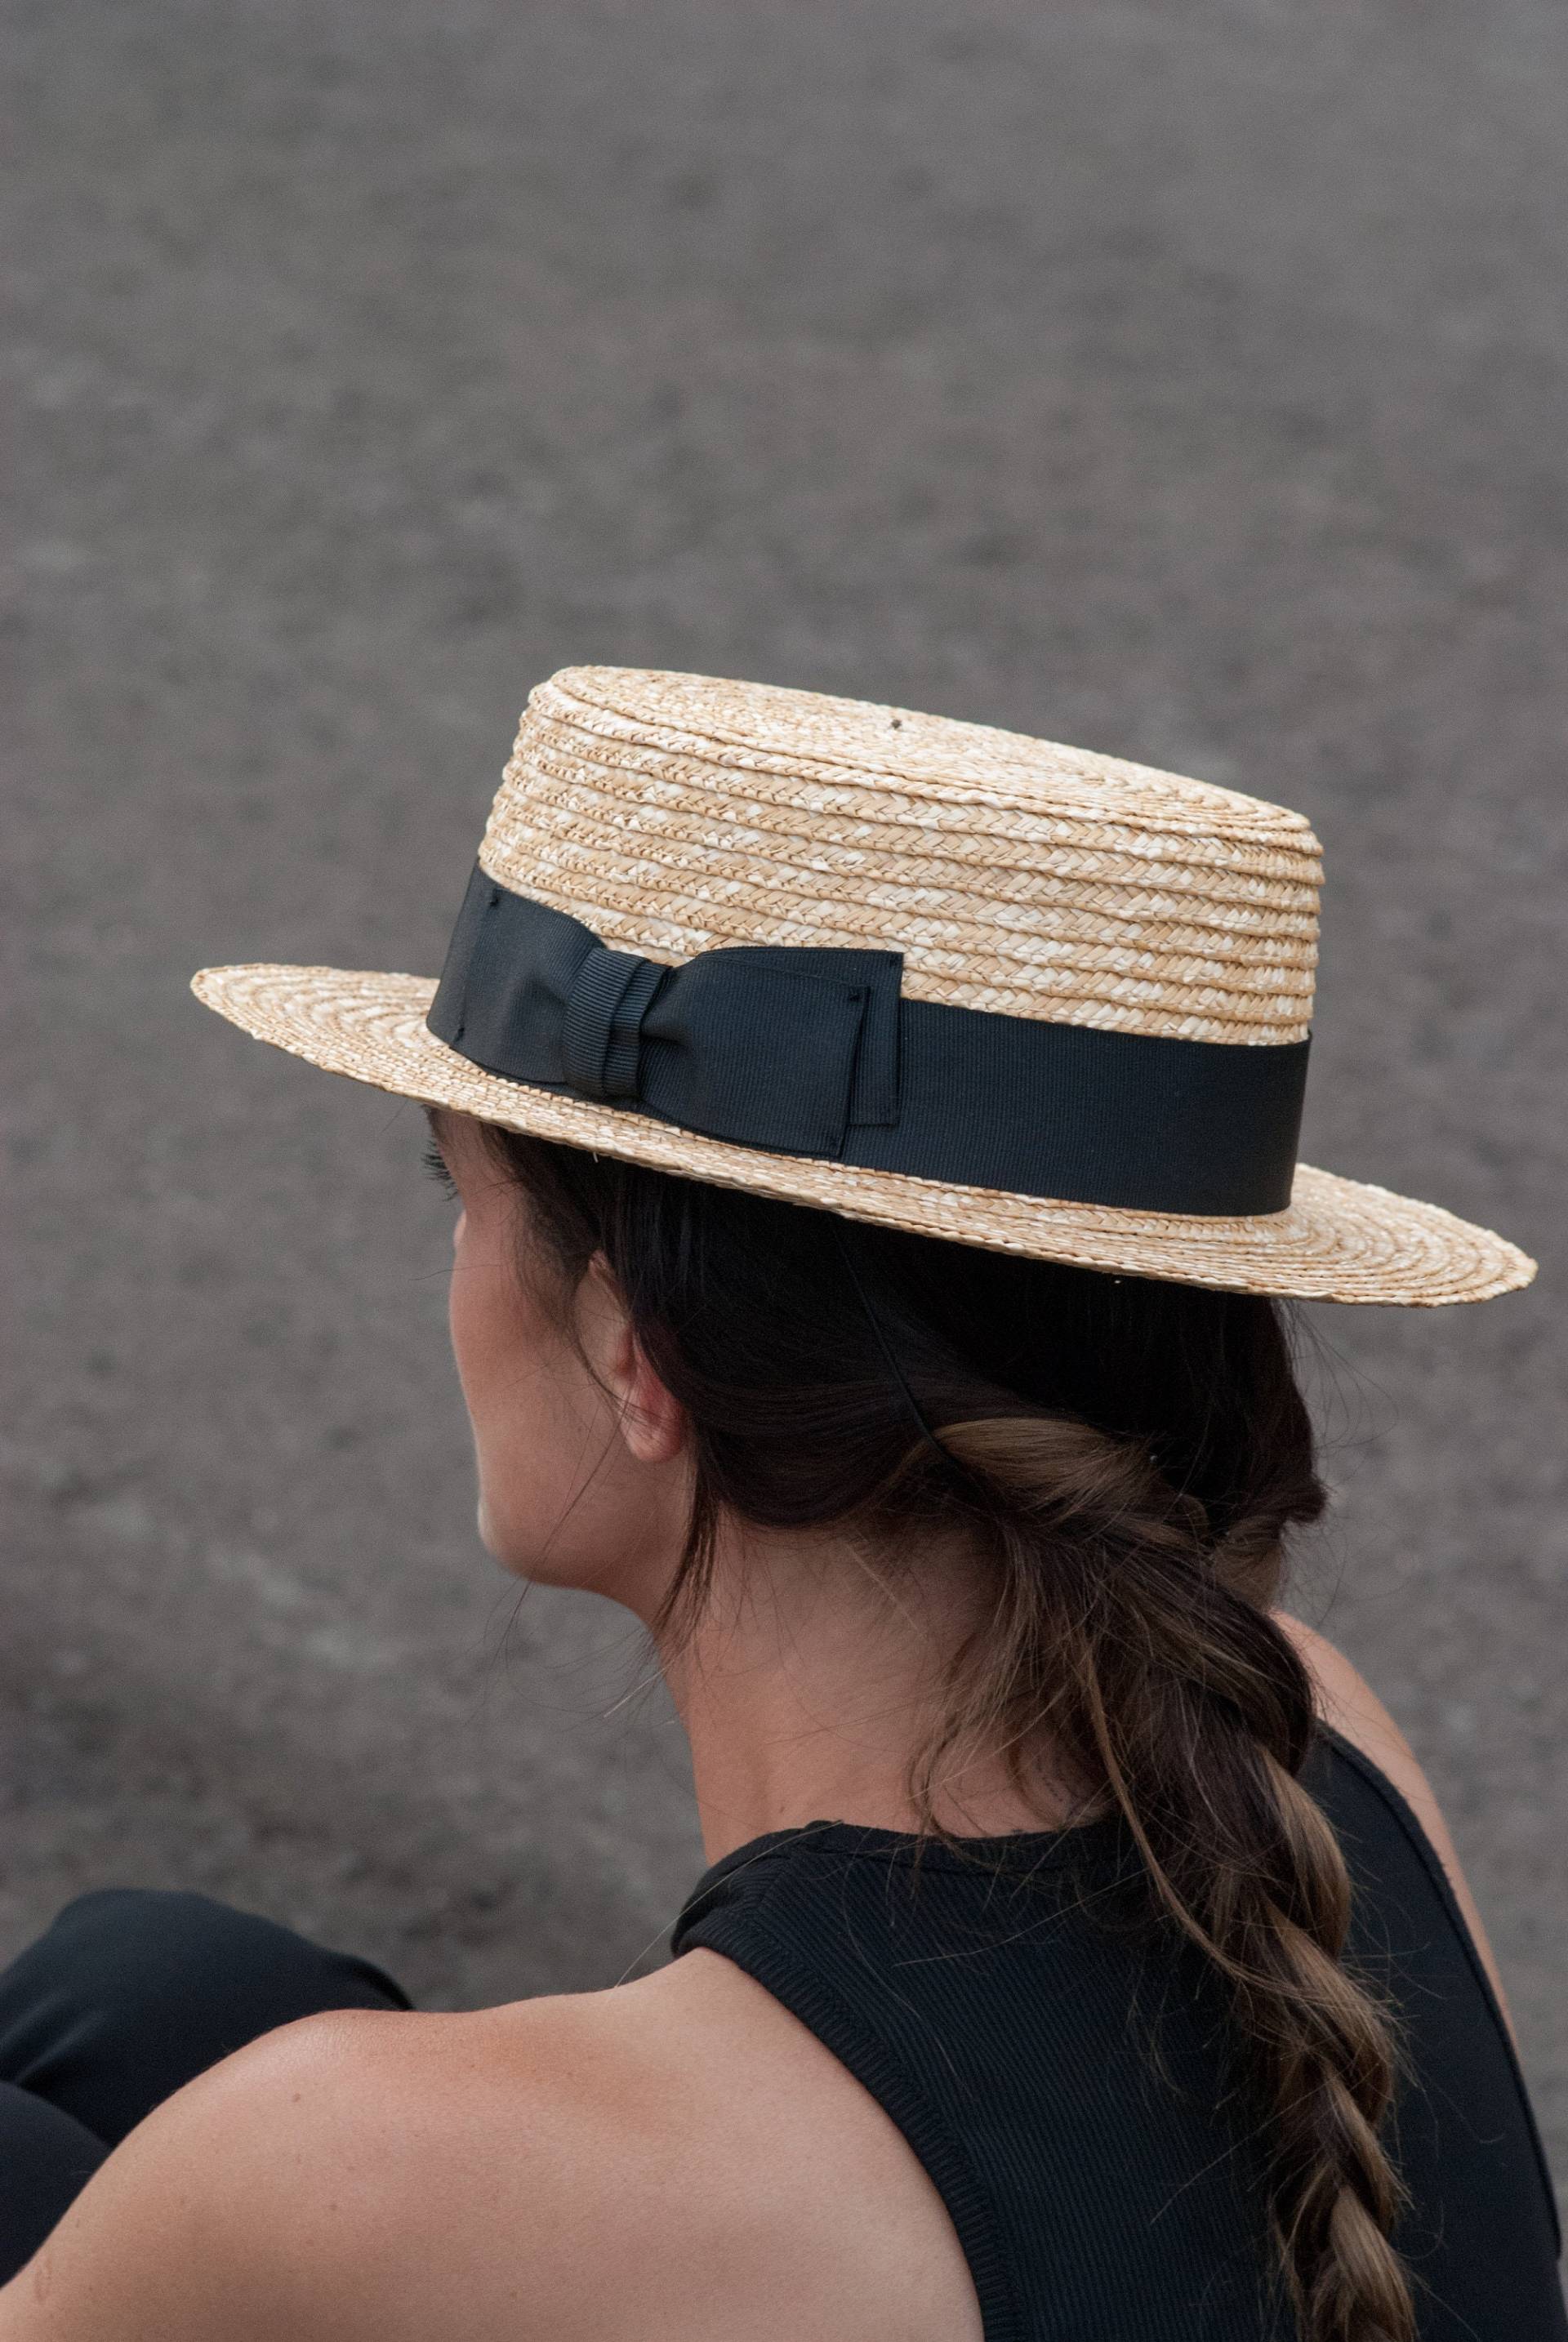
point(676, 2160)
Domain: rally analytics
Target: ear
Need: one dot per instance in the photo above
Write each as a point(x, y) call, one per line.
point(652, 1424)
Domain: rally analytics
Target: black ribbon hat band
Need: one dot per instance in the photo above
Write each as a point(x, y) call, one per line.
point(808, 1050)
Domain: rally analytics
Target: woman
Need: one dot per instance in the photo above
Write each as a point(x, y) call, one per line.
point(874, 1139)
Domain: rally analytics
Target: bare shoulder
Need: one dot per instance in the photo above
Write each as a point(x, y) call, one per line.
point(674, 2159)
point(1347, 1702)
point(273, 2194)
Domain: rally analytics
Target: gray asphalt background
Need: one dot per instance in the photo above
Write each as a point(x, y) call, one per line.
point(1182, 380)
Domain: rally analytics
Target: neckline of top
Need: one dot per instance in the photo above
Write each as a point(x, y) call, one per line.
point(1015, 1852)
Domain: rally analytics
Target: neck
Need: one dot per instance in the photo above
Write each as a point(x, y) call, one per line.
point(809, 1687)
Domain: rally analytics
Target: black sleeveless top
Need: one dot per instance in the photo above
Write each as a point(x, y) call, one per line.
point(1059, 2070)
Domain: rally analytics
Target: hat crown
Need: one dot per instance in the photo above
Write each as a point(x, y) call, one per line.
point(676, 814)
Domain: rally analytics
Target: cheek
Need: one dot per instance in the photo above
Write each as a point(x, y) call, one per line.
point(521, 1392)
point(475, 1313)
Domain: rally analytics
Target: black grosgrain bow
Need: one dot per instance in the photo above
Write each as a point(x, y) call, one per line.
point(764, 1045)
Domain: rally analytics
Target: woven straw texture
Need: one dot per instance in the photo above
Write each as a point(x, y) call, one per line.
point(676, 814)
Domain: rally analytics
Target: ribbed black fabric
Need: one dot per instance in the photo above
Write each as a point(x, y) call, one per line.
point(1060, 2072)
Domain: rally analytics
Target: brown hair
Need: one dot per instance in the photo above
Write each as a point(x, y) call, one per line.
point(1125, 1459)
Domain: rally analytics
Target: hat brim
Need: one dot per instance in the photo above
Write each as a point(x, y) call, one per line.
point(1338, 1239)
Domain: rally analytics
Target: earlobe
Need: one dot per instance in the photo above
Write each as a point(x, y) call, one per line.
point(653, 1423)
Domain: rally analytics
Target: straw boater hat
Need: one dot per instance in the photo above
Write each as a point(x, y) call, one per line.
point(912, 971)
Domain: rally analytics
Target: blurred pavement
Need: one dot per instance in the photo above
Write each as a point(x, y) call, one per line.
point(1182, 381)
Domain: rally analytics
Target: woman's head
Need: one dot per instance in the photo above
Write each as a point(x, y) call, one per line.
point(1106, 1468)
point(642, 1355)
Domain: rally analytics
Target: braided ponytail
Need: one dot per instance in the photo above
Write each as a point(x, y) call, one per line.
point(1125, 1459)
point(1171, 1683)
